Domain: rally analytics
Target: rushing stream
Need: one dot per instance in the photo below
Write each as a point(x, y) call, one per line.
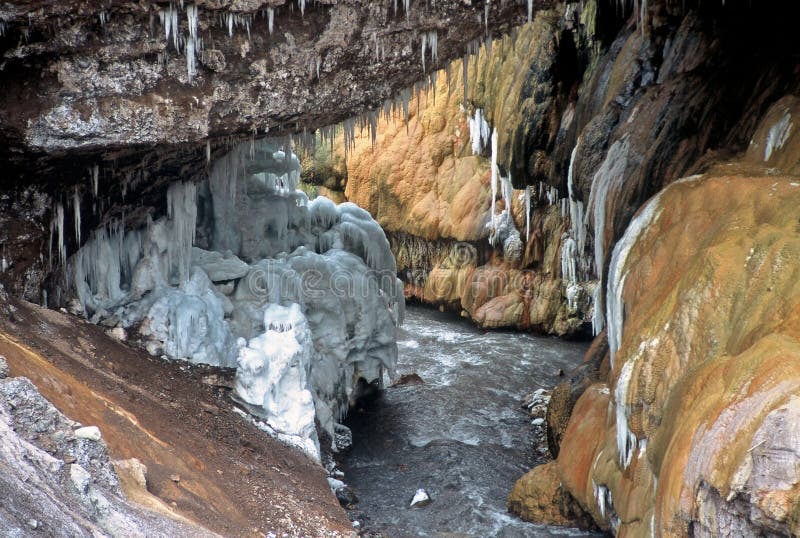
point(461, 434)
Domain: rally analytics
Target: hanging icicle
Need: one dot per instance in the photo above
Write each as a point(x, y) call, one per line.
point(76, 209)
point(59, 224)
point(95, 171)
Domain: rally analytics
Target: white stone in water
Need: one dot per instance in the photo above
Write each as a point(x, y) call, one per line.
point(421, 498)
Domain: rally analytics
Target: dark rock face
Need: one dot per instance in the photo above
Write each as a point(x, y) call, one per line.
point(98, 110)
point(84, 84)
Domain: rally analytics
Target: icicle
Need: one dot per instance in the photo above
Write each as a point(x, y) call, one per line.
point(175, 35)
point(95, 180)
point(229, 21)
point(576, 215)
point(530, 10)
point(302, 7)
point(405, 95)
point(433, 41)
point(407, 6)
point(478, 132)
point(62, 249)
point(424, 47)
point(208, 151)
point(190, 59)
point(617, 274)
point(76, 209)
point(2, 29)
point(191, 18)
point(182, 211)
point(270, 19)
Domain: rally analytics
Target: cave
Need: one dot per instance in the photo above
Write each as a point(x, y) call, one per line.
point(491, 268)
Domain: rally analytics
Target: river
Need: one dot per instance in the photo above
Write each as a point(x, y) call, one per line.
point(461, 434)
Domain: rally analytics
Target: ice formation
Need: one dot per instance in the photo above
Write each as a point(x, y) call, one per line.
point(606, 180)
point(577, 220)
point(626, 439)
point(244, 271)
point(479, 132)
point(272, 374)
point(430, 40)
point(575, 265)
point(778, 135)
point(76, 210)
point(617, 273)
point(502, 230)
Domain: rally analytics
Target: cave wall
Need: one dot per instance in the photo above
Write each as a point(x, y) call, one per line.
point(597, 108)
point(96, 98)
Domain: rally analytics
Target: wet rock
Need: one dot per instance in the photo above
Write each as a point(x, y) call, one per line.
point(539, 496)
point(342, 437)
point(346, 497)
point(408, 379)
point(566, 394)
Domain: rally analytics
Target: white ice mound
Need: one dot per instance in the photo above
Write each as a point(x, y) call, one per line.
point(300, 296)
point(273, 373)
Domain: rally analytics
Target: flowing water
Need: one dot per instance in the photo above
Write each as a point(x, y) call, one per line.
point(461, 434)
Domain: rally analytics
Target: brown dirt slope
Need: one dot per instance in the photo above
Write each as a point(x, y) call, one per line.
point(233, 478)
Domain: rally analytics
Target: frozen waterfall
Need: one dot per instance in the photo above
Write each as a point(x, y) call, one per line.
point(301, 297)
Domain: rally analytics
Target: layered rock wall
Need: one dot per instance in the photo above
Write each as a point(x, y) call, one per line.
point(693, 430)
